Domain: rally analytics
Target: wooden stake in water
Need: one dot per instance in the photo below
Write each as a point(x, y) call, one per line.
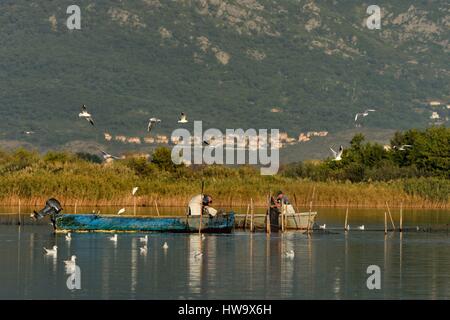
point(390, 216)
point(385, 222)
point(246, 215)
point(76, 206)
point(19, 213)
point(401, 217)
point(251, 216)
point(346, 219)
point(156, 206)
point(201, 212)
point(268, 214)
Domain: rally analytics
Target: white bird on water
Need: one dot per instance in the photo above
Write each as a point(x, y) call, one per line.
point(361, 227)
point(143, 250)
point(337, 155)
point(113, 238)
point(289, 254)
point(51, 252)
point(86, 115)
point(121, 211)
point(165, 246)
point(347, 228)
point(323, 227)
point(144, 239)
point(203, 237)
point(70, 264)
point(363, 114)
point(68, 237)
point(183, 118)
point(152, 123)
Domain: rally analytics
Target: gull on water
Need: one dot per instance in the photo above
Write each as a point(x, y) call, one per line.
point(203, 237)
point(143, 250)
point(337, 155)
point(121, 211)
point(183, 118)
point(70, 264)
point(347, 228)
point(68, 236)
point(165, 246)
point(323, 227)
point(144, 239)
point(86, 115)
point(52, 251)
point(289, 254)
point(361, 227)
point(113, 238)
point(152, 123)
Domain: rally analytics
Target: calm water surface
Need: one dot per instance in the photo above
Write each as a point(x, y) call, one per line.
point(235, 266)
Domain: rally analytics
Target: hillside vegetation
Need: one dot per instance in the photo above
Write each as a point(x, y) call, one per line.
point(226, 62)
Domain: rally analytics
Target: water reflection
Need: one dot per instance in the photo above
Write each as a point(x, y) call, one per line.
point(240, 265)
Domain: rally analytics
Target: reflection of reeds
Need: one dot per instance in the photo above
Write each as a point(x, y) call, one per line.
point(89, 184)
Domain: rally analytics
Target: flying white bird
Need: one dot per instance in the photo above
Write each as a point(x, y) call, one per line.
point(135, 189)
point(289, 254)
point(402, 147)
point(183, 118)
point(108, 156)
point(165, 246)
point(68, 237)
point(323, 227)
point(28, 133)
point(337, 155)
point(363, 114)
point(143, 239)
point(152, 123)
point(52, 252)
point(361, 227)
point(70, 264)
point(86, 115)
point(143, 250)
point(113, 238)
point(121, 211)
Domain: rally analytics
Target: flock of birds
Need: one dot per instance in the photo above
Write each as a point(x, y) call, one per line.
point(71, 263)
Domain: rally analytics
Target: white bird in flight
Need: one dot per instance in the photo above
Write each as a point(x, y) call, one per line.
point(337, 155)
point(183, 118)
point(51, 252)
point(107, 156)
point(152, 123)
point(363, 114)
point(135, 189)
point(86, 115)
point(403, 147)
point(121, 211)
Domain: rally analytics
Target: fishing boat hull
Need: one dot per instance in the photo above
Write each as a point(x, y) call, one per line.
point(223, 223)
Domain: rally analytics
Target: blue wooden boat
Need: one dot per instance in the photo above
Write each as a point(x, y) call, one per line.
point(222, 223)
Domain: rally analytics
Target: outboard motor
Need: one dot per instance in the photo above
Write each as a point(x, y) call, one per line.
point(52, 207)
